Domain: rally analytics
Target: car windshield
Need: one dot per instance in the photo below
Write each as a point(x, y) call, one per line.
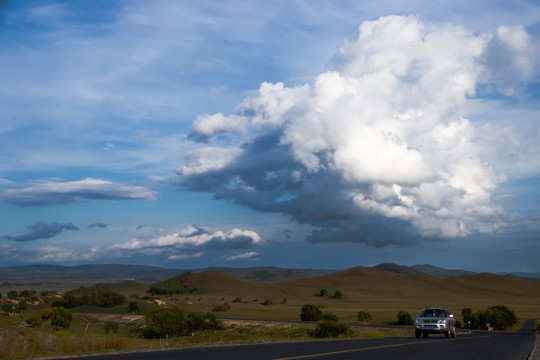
point(434, 313)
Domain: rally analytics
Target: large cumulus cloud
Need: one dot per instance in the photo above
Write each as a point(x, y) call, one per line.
point(376, 150)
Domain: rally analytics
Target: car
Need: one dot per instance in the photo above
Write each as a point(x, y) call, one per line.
point(435, 320)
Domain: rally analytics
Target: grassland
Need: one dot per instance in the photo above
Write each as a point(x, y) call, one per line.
point(380, 293)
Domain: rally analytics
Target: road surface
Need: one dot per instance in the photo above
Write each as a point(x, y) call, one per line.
point(479, 345)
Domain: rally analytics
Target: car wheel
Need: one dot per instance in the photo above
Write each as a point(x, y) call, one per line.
point(425, 334)
point(447, 334)
point(417, 333)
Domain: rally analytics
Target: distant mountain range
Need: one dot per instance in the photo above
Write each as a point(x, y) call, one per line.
point(55, 275)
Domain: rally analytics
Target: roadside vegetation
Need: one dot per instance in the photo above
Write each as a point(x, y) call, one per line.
point(185, 312)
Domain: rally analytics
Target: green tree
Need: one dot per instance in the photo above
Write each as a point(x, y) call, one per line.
point(60, 317)
point(364, 317)
point(27, 294)
point(311, 312)
point(21, 306)
point(12, 294)
point(338, 295)
point(323, 292)
point(161, 323)
point(404, 318)
point(499, 317)
point(196, 322)
point(469, 318)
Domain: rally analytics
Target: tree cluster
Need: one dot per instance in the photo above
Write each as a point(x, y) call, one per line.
point(499, 317)
point(173, 322)
point(323, 292)
point(59, 317)
point(174, 285)
point(94, 297)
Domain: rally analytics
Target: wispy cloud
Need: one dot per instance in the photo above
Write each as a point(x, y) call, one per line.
point(245, 256)
point(55, 193)
point(98, 225)
point(41, 230)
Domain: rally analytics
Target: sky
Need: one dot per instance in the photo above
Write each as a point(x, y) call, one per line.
point(298, 134)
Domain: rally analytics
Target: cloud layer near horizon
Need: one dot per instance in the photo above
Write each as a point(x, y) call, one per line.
point(41, 230)
point(378, 150)
point(56, 193)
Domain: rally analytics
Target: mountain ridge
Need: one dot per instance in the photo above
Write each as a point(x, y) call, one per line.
point(79, 275)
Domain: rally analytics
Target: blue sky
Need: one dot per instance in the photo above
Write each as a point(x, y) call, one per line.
point(297, 134)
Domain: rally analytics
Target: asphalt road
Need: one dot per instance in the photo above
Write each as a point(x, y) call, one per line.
point(479, 345)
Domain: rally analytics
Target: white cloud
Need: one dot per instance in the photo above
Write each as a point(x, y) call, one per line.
point(186, 256)
point(244, 256)
point(385, 131)
point(58, 254)
point(208, 159)
point(195, 238)
point(54, 193)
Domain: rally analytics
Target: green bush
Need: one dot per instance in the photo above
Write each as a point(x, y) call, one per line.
point(222, 308)
point(364, 317)
point(499, 317)
point(323, 292)
point(34, 321)
point(338, 295)
point(404, 318)
point(311, 312)
point(326, 329)
point(162, 323)
point(60, 317)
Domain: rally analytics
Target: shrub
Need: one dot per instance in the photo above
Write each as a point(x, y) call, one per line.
point(337, 295)
point(64, 335)
point(364, 317)
point(110, 326)
point(329, 316)
point(202, 322)
point(323, 292)
point(328, 328)
point(34, 321)
point(161, 323)
point(60, 317)
point(9, 309)
point(133, 307)
point(311, 312)
point(222, 308)
point(404, 318)
point(267, 302)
